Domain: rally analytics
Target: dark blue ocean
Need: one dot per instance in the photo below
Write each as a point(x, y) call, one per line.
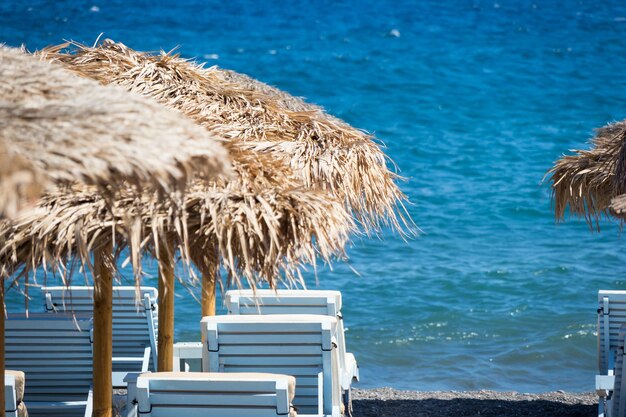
point(474, 101)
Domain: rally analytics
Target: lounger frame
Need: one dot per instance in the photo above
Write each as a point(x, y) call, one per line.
point(325, 302)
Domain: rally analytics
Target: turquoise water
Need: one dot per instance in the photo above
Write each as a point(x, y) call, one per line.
point(474, 101)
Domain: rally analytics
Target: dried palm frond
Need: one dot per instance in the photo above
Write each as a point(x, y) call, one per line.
point(323, 151)
point(618, 207)
point(589, 180)
point(74, 129)
point(20, 182)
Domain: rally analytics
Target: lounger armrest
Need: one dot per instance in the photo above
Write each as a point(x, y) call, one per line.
point(143, 396)
point(604, 384)
point(144, 360)
point(49, 305)
point(320, 393)
point(89, 407)
point(131, 393)
point(127, 359)
point(283, 405)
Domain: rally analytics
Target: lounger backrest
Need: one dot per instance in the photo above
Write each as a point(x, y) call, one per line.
point(327, 303)
point(134, 324)
point(200, 394)
point(54, 351)
point(299, 345)
point(611, 316)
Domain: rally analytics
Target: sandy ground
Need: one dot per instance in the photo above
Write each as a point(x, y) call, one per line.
point(387, 402)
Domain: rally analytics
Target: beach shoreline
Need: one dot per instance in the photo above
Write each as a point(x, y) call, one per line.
point(387, 402)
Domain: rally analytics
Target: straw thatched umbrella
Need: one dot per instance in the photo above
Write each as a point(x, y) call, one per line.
point(72, 129)
point(323, 151)
point(589, 181)
point(262, 223)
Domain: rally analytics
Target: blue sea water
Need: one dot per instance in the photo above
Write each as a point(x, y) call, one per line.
point(474, 101)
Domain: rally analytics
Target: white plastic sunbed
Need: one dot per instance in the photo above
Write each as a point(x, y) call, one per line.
point(14, 394)
point(616, 403)
point(300, 345)
point(134, 325)
point(54, 351)
point(201, 394)
point(327, 303)
point(611, 317)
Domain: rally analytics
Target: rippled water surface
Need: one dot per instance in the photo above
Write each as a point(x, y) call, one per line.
point(474, 101)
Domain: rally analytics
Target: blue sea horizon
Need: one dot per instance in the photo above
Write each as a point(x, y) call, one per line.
point(474, 101)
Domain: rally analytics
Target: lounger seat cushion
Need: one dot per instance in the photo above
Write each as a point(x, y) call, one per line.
point(19, 384)
point(19, 391)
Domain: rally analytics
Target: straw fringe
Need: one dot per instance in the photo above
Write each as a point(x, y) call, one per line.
point(588, 181)
point(262, 233)
point(323, 151)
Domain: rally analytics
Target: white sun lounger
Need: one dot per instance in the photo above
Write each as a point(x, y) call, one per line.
point(616, 403)
point(134, 325)
point(300, 345)
point(611, 317)
point(327, 303)
point(14, 394)
point(201, 394)
point(54, 351)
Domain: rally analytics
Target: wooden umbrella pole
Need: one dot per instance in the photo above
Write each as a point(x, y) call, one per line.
point(209, 279)
point(103, 333)
point(165, 360)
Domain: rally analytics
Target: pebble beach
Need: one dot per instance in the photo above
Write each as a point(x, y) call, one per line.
point(388, 402)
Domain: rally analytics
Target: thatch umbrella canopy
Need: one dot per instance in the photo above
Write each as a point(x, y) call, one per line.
point(63, 128)
point(20, 182)
point(73, 129)
point(588, 181)
point(322, 150)
point(261, 225)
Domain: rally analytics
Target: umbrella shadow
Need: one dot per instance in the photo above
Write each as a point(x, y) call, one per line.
point(468, 407)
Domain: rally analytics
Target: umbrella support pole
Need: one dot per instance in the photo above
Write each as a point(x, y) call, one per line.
point(103, 333)
point(165, 342)
point(209, 279)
